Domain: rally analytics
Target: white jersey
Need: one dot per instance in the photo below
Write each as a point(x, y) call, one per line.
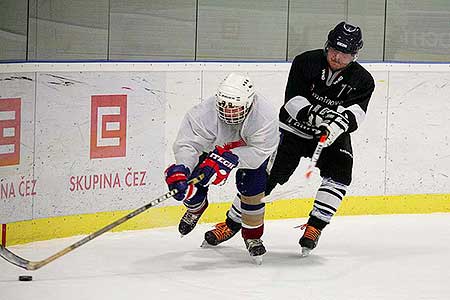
point(253, 140)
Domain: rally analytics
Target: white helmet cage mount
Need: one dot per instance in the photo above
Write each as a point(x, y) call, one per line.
point(234, 98)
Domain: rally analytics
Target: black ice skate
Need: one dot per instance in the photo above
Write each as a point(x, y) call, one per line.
point(223, 232)
point(309, 239)
point(256, 249)
point(190, 219)
point(188, 222)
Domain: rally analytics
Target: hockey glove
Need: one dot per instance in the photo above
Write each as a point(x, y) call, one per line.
point(176, 178)
point(317, 114)
point(335, 124)
point(216, 167)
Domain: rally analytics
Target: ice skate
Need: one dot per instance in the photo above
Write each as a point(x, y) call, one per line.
point(309, 239)
point(221, 233)
point(190, 219)
point(188, 222)
point(256, 249)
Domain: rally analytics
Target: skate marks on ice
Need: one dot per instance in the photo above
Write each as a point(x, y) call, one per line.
point(364, 257)
point(187, 253)
point(347, 245)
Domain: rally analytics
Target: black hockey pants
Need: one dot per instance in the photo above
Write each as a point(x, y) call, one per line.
point(335, 162)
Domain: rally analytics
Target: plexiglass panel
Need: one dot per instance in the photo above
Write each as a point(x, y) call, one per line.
point(152, 30)
point(242, 30)
point(13, 29)
point(369, 15)
point(224, 30)
point(69, 29)
point(310, 22)
point(418, 30)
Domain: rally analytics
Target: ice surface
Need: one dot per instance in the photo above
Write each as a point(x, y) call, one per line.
point(365, 257)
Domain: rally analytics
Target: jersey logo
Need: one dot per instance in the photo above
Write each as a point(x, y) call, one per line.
point(326, 101)
point(347, 88)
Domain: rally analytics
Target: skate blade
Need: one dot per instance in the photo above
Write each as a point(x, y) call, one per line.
point(205, 244)
point(257, 259)
point(305, 252)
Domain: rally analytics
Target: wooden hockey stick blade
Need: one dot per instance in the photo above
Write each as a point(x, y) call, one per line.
point(34, 265)
point(14, 259)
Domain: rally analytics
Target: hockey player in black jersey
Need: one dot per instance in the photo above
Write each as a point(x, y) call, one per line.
point(327, 91)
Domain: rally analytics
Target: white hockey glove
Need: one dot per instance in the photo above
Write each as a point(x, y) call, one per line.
point(317, 114)
point(335, 124)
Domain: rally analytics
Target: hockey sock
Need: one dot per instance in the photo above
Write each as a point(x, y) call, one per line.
point(252, 216)
point(328, 198)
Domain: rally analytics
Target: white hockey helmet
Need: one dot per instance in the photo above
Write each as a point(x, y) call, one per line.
point(234, 98)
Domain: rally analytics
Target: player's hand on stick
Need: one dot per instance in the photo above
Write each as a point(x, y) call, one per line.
point(317, 114)
point(334, 124)
point(177, 178)
point(217, 166)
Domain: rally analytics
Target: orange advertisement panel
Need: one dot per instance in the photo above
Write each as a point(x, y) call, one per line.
point(108, 126)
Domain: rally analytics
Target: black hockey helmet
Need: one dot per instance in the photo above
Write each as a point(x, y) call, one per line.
point(346, 38)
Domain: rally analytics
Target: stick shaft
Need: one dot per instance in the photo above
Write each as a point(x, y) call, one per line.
point(316, 155)
point(34, 265)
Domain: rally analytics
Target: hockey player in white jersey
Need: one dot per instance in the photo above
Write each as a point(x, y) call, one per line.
point(236, 128)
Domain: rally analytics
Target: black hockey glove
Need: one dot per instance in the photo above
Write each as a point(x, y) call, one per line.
point(335, 124)
point(317, 114)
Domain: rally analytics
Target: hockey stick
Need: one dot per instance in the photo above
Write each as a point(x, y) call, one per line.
point(34, 265)
point(316, 155)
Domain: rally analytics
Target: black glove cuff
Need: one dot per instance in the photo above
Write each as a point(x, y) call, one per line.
point(302, 114)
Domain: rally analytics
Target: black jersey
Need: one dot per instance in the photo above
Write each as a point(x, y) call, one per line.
point(312, 82)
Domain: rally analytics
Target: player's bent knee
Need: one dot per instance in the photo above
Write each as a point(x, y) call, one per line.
point(251, 182)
